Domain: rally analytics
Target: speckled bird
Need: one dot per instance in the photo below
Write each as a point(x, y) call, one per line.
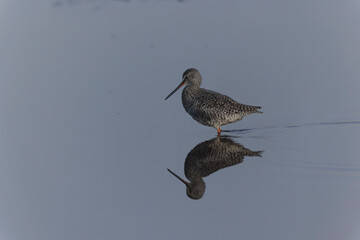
point(208, 157)
point(208, 107)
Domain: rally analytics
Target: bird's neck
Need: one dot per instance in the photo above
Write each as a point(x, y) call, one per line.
point(188, 96)
point(190, 90)
point(196, 180)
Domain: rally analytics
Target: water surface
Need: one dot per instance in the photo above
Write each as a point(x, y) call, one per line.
point(87, 138)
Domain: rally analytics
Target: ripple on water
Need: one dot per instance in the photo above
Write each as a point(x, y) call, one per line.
point(323, 147)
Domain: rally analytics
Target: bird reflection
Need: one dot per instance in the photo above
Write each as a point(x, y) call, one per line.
point(208, 157)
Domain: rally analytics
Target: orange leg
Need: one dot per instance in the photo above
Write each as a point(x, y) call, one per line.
point(219, 130)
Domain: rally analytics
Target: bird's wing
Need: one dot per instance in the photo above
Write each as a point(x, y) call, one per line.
point(212, 101)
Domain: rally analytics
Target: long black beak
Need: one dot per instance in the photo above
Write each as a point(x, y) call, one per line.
point(185, 182)
point(181, 84)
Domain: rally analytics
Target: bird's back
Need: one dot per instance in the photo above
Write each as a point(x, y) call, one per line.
point(213, 155)
point(214, 109)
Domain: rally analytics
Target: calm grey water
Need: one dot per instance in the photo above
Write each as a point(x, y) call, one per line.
point(86, 136)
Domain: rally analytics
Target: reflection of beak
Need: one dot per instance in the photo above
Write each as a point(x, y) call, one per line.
point(181, 84)
point(185, 182)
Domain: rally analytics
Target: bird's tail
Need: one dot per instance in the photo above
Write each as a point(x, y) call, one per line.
point(257, 111)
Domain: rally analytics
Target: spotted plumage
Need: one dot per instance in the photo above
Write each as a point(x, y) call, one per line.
point(208, 157)
point(208, 107)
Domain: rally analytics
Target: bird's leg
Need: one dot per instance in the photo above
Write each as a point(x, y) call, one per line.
point(219, 130)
